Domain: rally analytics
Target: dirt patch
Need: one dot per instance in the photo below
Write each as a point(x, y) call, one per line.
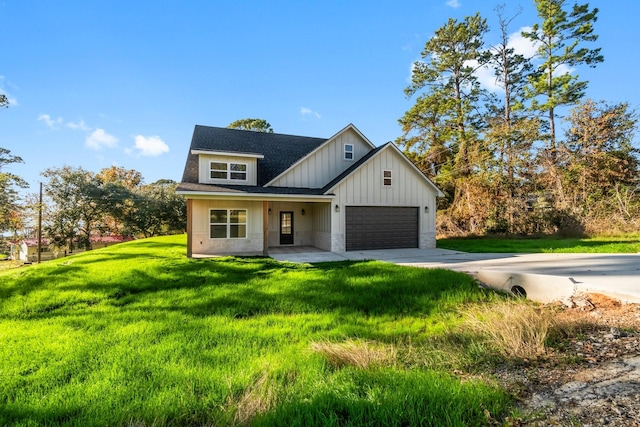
point(591, 374)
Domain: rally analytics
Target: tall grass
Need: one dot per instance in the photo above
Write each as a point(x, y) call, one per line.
point(137, 334)
point(358, 353)
point(513, 328)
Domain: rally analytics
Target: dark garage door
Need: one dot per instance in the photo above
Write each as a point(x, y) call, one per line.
point(374, 227)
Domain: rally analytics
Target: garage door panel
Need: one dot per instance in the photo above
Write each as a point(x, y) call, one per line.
point(375, 227)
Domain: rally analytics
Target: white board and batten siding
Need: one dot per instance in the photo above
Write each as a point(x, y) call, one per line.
point(364, 187)
point(204, 169)
point(324, 164)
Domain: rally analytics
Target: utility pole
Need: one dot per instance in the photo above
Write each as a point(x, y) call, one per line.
point(40, 226)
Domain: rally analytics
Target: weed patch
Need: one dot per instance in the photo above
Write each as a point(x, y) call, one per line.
point(358, 353)
point(513, 328)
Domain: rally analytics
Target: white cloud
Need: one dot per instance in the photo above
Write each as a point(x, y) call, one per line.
point(307, 111)
point(81, 125)
point(100, 139)
point(563, 69)
point(453, 3)
point(150, 146)
point(527, 48)
point(49, 121)
point(485, 76)
point(412, 68)
point(522, 45)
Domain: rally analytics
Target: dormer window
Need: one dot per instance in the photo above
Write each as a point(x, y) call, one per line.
point(238, 171)
point(228, 171)
point(218, 170)
point(348, 151)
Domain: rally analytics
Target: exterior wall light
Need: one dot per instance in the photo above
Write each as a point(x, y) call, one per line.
point(269, 211)
point(337, 208)
point(303, 212)
point(426, 209)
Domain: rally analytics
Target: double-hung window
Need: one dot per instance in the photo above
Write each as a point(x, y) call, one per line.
point(228, 223)
point(228, 171)
point(238, 171)
point(386, 178)
point(348, 151)
point(219, 170)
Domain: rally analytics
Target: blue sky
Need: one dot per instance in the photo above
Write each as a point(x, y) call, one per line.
point(100, 83)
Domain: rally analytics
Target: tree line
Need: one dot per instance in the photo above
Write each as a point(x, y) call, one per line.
point(500, 156)
point(79, 204)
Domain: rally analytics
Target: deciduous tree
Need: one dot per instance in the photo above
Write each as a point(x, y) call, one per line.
point(600, 164)
point(157, 210)
point(75, 205)
point(9, 183)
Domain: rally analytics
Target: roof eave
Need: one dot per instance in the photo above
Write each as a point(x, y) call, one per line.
point(228, 153)
point(254, 196)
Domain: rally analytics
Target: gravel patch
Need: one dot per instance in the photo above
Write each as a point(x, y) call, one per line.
point(592, 378)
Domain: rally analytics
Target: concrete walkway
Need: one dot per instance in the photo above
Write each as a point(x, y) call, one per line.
point(543, 277)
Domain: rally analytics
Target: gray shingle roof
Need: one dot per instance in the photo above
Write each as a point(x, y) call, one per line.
point(280, 151)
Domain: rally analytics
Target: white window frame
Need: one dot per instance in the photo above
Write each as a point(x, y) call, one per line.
point(231, 171)
point(228, 224)
point(218, 170)
point(350, 152)
point(228, 171)
point(385, 178)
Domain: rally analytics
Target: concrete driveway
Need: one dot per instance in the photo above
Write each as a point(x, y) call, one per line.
point(543, 277)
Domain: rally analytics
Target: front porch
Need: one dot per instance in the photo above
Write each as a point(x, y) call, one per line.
point(249, 226)
point(296, 225)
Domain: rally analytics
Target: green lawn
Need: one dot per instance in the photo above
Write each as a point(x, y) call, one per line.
point(137, 334)
point(622, 244)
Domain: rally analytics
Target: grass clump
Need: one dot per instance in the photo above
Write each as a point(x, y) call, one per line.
point(357, 353)
point(513, 328)
point(258, 398)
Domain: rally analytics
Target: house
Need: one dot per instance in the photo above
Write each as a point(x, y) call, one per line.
point(98, 242)
point(250, 191)
point(27, 250)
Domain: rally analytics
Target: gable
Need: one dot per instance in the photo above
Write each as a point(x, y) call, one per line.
point(322, 165)
point(364, 184)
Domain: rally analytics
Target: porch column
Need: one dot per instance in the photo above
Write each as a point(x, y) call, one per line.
point(265, 227)
point(189, 227)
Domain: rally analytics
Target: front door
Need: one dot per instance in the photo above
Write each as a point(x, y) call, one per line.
point(286, 228)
